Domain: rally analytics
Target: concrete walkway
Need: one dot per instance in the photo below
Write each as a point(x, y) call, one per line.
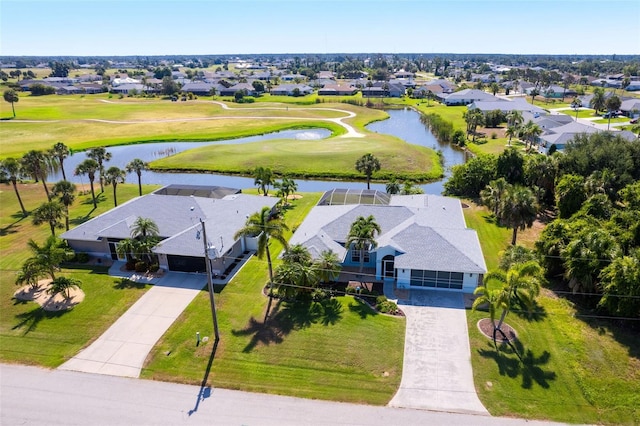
point(123, 348)
point(437, 373)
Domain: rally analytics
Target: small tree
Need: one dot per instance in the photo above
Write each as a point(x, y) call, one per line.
point(113, 177)
point(89, 167)
point(100, 155)
point(48, 256)
point(10, 170)
point(64, 285)
point(65, 191)
point(30, 273)
point(60, 152)
point(263, 178)
point(362, 235)
point(137, 166)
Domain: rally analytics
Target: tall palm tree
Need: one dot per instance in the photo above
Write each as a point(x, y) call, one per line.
point(327, 266)
point(393, 186)
point(576, 104)
point(598, 100)
point(491, 196)
point(60, 152)
point(613, 104)
point(100, 155)
point(11, 169)
point(530, 132)
point(514, 118)
point(286, 187)
point(38, 165)
point(297, 253)
point(65, 191)
point(50, 212)
point(473, 118)
point(520, 284)
point(362, 235)
point(143, 228)
point(137, 165)
point(511, 132)
point(12, 97)
point(48, 256)
point(368, 164)
point(265, 227)
point(263, 177)
point(518, 210)
point(89, 167)
point(113, 176)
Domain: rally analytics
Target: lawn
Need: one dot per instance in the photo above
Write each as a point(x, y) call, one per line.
point(573, 368)
point(83, 122)
point(332, 158)
point(28, 334)
point(338, 350)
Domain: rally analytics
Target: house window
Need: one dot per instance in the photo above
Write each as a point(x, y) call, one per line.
point(355, 255)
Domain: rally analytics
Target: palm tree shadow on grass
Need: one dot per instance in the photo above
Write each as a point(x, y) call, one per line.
point(9, 229)
point(515, 360)
point(29, 320)
point(535, 313)
point(287, 317)
point(361, 308)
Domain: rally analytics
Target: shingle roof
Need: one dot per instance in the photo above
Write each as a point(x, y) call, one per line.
point(428, 232)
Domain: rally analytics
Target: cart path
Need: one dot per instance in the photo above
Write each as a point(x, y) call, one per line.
point(351, 132)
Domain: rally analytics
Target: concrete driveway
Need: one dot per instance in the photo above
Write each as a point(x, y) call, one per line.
point(123, 348)
point(437, 372)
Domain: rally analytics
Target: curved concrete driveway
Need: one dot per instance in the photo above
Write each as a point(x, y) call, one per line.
point(437, 373)
point(123, 348)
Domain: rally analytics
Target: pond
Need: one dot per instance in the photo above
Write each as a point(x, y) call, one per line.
point(402, 123)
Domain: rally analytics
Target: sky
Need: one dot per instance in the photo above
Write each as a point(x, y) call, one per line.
point(173, 27)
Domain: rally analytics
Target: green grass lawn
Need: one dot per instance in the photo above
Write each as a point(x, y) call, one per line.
point(30, 335)
point(339, 350)
point(333, 158)
point(572, 370)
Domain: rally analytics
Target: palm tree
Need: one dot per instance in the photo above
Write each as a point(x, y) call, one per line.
point(48, 256)
point(518, 210)
point(50, 212)
point(64, 285)
point(511, 132)
point(613, 104)
point(143, 228)
point(286, 187)
point(362, 235)
point(11, 169)
point(128, 248)
point(65, 191)
point(393, 187)
point(297, 253)
point(576, 104)
point(291, 278)
point(265, 227)
point(534, 92)
point(514, 118)
point(37, 164)
point(327, 266)
point(473, 118)
point(491, 196)
point(59, 152)
point(530, 132)
point(368, 164)
point(113, 177)
point(100, 155)
point(12, 97)
point(598, 100)
point(30, 273)
point(89, 167)
point(137, 165)
point(263, 177)
point(521, 284)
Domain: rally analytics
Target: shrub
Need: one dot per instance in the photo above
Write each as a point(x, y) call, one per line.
point(494, 135)
point(154, 267)
point(381, 299)
point(350, 290)
point(130, 265)
point(141, 266)
point(319, 294)
point(82, 257)
point(387, 307)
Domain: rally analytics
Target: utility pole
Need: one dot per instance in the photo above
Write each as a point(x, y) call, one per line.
point(209, 282)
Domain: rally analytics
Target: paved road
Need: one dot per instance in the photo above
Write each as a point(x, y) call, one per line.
point(437, 373)
point(35, 396)
point(123, 348)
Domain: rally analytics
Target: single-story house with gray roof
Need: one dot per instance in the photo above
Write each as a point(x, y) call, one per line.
point(177, 210)
point(465, 97)
point(424, 241)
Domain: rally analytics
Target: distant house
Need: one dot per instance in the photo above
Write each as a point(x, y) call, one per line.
point(231, 90)
point(176, 210)
point(384, 89)
point(633, 86)
point(560, 136)
point(128, 88)
point(556, 92)
point(424, 242)
point(337, 90)
point(404, 74)
point(630, 107)
point(465, 97)
point(326, 75)
point(69, 90)
point(293, 77)
point(289, 89)
point(517, 104)
point(201, 88)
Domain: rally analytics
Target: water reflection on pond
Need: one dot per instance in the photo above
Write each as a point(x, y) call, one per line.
point(403, 123)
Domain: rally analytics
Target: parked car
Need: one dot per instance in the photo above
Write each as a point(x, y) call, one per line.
point(610, 114)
